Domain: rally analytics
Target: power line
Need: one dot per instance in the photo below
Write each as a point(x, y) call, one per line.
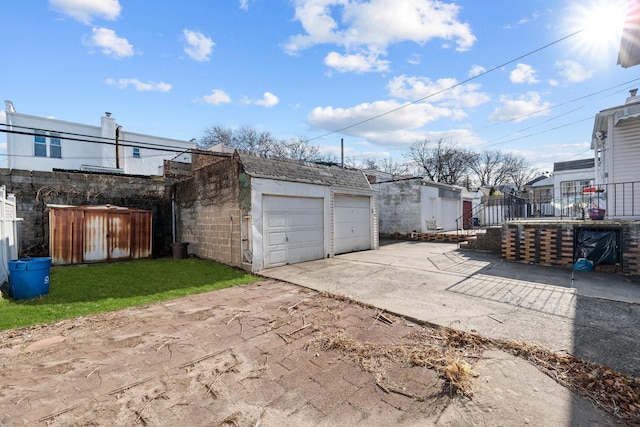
point(448, 88)
point(88, 138)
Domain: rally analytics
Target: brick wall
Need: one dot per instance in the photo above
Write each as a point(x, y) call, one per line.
point(538, 243)
point(553, 243)
point(34, 190)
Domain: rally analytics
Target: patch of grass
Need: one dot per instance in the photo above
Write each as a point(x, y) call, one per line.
point(80, 290)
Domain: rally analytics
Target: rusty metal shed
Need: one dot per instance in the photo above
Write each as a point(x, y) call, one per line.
point(82, 234)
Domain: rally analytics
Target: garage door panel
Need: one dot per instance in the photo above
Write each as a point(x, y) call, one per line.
point(294, 229)
point(277, 257)
point(352, 223)
point(276, 220)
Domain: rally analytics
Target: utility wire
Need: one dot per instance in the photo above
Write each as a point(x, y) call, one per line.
point(447, 88)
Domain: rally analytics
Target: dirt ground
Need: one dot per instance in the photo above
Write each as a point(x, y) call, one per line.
point(265, 354)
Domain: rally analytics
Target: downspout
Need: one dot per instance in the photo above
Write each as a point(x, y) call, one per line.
point(173, 214)
point(117, 147)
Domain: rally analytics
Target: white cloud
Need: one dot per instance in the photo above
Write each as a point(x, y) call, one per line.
point(140, 86)
point(374, 25)
point(525, 107)
point(244, 4)
point(358, 63)
point(199, 46)
point(268, 100)
point(414, 59)
point(476, 70)
point(411, 117)
point(217, 96)
point(441, 91)
point(85, 10)
point(554, 83)
point(572, 71)
point(110, 43)
point(523, 73)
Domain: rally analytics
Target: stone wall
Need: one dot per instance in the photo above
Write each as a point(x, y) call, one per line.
point(35, 190)
point(553, 243)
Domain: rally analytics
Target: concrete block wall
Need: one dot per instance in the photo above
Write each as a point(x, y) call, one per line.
point(213, 232)
point(209, 212)
point(399, 206)
point(34, 190)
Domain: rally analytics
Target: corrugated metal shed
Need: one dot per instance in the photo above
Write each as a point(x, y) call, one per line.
point(80, 234)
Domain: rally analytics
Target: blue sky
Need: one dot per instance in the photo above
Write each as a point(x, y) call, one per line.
point(386, 72)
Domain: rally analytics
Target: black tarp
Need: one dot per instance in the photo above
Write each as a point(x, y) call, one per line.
point(600, 247)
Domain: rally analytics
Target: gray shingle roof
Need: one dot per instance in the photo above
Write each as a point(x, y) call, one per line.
point(260, 166)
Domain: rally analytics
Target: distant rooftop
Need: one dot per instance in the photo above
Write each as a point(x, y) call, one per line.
point(574, 165)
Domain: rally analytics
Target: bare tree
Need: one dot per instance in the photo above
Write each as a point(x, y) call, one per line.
point(442, 161)
point(249, 139)
point(521, 172)
point(296, 148)
point(216, 135)
point(492, 168)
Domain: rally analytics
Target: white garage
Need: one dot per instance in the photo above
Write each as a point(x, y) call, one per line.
point(352, 223)
point(293, 229)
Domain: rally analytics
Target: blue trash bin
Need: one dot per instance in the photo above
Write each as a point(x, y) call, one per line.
point(29, 277)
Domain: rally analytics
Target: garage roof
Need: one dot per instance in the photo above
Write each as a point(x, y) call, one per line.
point(261, 166)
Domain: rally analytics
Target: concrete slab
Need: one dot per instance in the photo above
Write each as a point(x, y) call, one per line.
point(592, 315)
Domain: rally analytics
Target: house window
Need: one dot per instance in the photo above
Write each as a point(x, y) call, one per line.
point(39, 144)
point(574, 188)
point(55, 146)
point(136, 153)
point(573, 200)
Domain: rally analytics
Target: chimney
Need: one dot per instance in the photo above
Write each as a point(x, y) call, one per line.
point(633, 96)
point(633, 92)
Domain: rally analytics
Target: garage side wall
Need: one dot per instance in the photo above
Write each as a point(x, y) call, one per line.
point(399, 205)
point(209, 214)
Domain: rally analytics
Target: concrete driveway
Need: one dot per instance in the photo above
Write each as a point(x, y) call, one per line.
point(595, 316)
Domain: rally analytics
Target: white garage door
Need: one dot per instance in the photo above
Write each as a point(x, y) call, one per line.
point(293, 230)
point(352, 215)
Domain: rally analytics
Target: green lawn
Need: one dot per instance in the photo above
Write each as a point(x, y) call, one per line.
point(80, 290)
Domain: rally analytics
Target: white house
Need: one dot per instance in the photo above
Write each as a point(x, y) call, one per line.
point(616, 145)
point(44, 144)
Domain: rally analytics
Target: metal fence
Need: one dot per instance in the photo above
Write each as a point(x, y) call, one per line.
point(618, 201)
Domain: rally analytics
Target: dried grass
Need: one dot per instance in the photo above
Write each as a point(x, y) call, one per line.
point(452, 353)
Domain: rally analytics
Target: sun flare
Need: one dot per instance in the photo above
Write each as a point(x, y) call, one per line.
point(600, 24)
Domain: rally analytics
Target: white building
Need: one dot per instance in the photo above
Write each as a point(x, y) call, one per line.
point(419, 205)
point(615, 143)
point(44, 144)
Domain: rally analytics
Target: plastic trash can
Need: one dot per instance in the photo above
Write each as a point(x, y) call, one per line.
point(29, 277)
